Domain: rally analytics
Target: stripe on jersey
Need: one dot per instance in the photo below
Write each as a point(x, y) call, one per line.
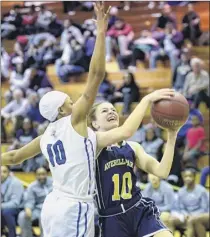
point(89, 169)
point(98, 184)
point(93, 160)
point(78, 219)
point(86, 220)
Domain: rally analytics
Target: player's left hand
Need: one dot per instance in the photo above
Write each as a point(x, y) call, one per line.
point(101, 16)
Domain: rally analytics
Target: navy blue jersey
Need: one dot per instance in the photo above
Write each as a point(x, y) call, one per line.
point(115, 178)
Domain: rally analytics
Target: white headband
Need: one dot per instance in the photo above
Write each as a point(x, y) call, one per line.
point(50, 103)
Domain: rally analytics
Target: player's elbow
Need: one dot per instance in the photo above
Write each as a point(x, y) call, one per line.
point(163, 175)
point(126, 132)
point(15, 159)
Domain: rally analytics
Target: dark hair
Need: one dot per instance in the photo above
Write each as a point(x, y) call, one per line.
point(16, 7)
point(92, 115)
point(191, 168)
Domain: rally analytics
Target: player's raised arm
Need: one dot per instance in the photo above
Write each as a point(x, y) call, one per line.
point(97, 68)
point(133, 121)
point(26, 152)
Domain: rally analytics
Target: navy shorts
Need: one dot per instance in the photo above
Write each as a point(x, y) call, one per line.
point(140, 221)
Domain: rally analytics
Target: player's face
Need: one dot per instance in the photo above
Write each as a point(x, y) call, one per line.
point(4, 173)
point(41, 175)
point(66, 108)
point(188, 177)
point(106, 117)
point(154, 180)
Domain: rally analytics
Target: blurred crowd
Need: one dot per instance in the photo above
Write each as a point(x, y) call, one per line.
point(41, 40)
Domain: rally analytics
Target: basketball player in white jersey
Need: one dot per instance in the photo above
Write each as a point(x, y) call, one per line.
point(70, 147)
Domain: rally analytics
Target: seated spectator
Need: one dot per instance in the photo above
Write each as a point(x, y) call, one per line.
point(5, 59)
point(33, 109)
point(166, 17)
point(127, 93)
point(200, 225)
point(36, 194)
point(39, 82)
point(188, 124)
point(70, 29)
point(121, 34)
point(11, 196)
point(113, 14)
point(195, 140)
point(152, 143)
point(11, 23)
point(170, 45)
point(20, 77)
point(44, 19)
point(192, 201)
point(142, 48)
point(196, 86)
point(29, 20)
point(72, 61)
point(17, 107)
point(191, 25)
point(106, 88)
point(181, 71)
point(162, 193)
point(205, 173)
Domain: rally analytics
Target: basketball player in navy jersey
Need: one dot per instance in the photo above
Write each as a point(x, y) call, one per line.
point(122, 209)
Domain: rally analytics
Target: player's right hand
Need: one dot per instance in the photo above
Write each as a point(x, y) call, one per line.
point(101, 17)
point(160, 94)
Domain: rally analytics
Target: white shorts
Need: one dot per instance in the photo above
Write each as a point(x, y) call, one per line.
point(61, 217)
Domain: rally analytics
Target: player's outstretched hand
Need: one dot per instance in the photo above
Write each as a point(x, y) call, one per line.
point(101, 16)
point(160, 94)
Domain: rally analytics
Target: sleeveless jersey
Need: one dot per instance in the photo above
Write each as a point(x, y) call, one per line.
point(71, 159)
point(115, 177)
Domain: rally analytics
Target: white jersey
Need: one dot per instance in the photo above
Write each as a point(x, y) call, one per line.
point(71, 159)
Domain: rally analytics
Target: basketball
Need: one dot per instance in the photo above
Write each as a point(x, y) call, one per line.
point(170, 113)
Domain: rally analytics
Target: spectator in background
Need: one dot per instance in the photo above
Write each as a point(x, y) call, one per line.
point(205, 173)
point(139, 135)
point(5, 59)
point(72, 61)
point(20, 77)
point(162, 193)
point(152, 143)
point(70, 29)
point(113, 16)
point(17, 107)
point(184, 129)
point(170, 45)
point(195, 141)
point(120, 34)
point(33, 109)
point(191, 25)
point(196, 86)
point(200, 225)
point(181, 71)
point(36, 194)
point(192, 201)
point(106, 89)
point(45, 18)
point(11, 23)
point(29, 20)
point(142, 48)
point(11, 196)
point(127, 93)
point(166, 17)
